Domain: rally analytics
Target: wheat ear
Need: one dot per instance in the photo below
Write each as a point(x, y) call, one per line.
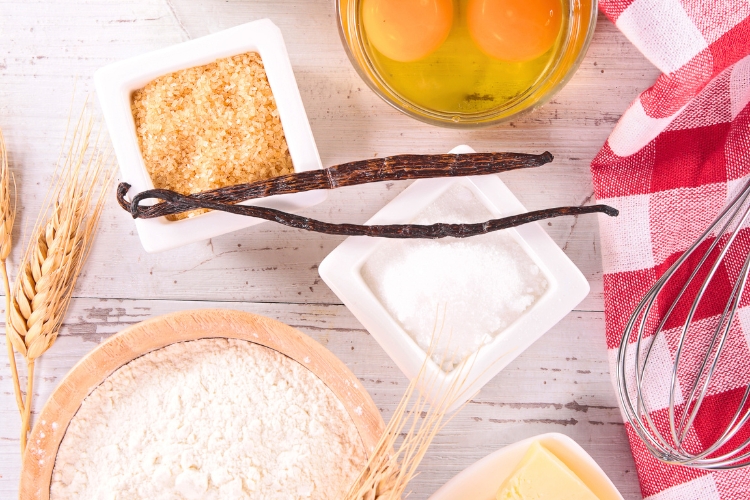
point(7, 217)
point(59, 245)
point(389, 468)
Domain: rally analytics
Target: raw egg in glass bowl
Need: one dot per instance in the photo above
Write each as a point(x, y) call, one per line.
point(466, 63)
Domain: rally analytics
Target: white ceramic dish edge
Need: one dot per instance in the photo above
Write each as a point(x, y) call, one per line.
point(341, 270)
point(481, 480)
point(116, 82)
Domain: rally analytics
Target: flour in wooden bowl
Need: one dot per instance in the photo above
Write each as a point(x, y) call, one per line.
point(209, 419)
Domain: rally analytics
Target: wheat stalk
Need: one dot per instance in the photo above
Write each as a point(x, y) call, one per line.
point(7, 217)
point(389, 469)
point(59, 245)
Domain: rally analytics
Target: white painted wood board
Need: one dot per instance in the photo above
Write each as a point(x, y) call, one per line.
point(560, 384)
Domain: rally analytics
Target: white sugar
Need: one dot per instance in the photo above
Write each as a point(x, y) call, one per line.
point(463, 292)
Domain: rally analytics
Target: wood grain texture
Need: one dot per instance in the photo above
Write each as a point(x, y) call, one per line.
point(155, 333)
point(561, 383)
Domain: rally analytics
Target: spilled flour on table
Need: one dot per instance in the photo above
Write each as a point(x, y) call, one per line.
point(209, 419)
point(463, 291)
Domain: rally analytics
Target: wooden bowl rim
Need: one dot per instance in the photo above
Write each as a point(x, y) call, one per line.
point(161, 331)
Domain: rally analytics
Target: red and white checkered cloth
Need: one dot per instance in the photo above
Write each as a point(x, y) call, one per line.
point(679, 152)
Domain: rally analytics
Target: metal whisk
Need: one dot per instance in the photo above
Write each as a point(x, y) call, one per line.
point(663, 395)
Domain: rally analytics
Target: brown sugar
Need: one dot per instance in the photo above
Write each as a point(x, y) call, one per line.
point(211, 126)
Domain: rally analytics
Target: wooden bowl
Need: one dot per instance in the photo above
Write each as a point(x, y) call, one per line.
point(50, 427)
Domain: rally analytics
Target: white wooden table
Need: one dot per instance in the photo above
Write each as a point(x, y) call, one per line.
point(561, 384)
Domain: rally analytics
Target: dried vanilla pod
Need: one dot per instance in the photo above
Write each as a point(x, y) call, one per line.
point(430, 231)
point(392, 168)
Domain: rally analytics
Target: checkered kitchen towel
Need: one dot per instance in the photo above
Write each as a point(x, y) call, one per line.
point(670, 165)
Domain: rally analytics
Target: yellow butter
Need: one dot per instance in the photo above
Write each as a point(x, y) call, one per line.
point(543, 476)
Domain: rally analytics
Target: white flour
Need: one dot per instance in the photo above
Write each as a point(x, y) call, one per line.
point(209, 419)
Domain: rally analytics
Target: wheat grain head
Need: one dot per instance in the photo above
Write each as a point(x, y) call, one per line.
point(59, 245)
point(7, 209)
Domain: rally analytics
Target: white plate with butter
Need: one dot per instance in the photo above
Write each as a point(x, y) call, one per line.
point(483, 479)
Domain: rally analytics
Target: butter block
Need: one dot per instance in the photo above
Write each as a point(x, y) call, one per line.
point(543, 476)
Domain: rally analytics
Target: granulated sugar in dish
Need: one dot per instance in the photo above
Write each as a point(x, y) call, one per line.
point(209, 419)
point(211, 126)
point(464, 292)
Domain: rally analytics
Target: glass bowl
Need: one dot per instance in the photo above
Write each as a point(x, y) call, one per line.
point(578, 29)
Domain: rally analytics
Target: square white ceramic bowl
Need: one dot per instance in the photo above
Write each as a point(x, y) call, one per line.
point(567, 287)
point(116, 83)
point(481, 480)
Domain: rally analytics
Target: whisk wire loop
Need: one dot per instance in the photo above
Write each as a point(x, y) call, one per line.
point(730, 306)
point(724, 325)
point(641, 374)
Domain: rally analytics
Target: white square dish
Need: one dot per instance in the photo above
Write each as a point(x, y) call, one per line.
point(116, 83)
point(566, 286)
point(481, 480)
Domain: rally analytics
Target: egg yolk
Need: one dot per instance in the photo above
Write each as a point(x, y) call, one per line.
point(514, 30)
point(407, 30)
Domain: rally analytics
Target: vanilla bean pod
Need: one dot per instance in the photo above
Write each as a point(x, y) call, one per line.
point(392, 168)
point(430, 231)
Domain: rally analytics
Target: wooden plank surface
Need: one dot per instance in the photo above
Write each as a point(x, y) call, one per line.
point(562, 383)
